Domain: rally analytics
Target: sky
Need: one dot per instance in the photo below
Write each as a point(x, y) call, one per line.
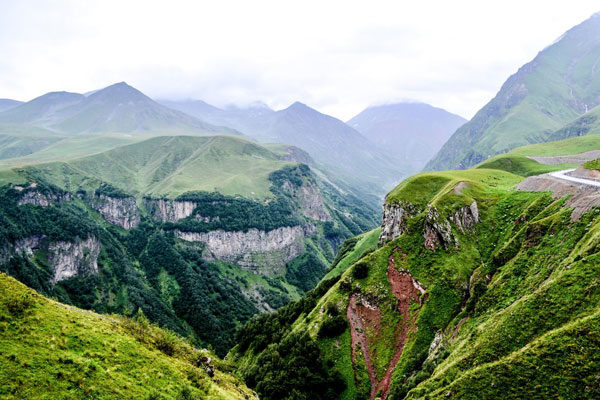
point(336, 56)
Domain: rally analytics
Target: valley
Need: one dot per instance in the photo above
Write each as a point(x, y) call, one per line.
point(165, 248)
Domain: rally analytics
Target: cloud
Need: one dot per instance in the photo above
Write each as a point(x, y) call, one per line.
point(338, 56)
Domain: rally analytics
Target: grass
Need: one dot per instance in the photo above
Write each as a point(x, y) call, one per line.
point(160, 166)
point(50, 350)
point(594, 164)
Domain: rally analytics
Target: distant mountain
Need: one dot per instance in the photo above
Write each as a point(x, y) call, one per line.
point(413, 131)
point(7, 104)
point(558, 86)
point(43, 111)
point(116, 108)
point(343, 152)
point(253, 120)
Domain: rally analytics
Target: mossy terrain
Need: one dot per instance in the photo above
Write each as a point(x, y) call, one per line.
point(509, 309)
point(50, 350)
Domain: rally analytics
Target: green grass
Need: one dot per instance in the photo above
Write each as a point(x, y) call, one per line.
point(594, 164)
point(160, 166)
point(50, 350)
point(562, 147)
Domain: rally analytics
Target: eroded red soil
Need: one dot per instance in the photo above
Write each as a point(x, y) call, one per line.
point(365, 317)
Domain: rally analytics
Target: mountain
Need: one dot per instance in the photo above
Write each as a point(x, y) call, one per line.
point(555, 88)
point(469, 290)
point(252, 120)
point(118, 108)
point(6, 104)
point(341, 151)
point(412, 131)
point(199, 232)
point(88, 355)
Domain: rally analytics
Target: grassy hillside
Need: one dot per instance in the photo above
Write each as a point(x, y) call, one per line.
point(554, 89)
point(51, 350)
point(502, 308)
point(165, 166)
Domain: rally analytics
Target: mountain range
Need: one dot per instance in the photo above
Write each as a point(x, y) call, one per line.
point(116, 108)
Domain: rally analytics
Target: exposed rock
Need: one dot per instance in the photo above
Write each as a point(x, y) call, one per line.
point(76, 258)
point(253, 249)
point(67, 259)
point(586, 173)
point(569, 158)
point(437, 231)
point(38, 198)
point(309, 198)
point(24, 247)
point(394, 220)
point(582, 198)
point(169, 210)
point(466, 217)
point(121, 211)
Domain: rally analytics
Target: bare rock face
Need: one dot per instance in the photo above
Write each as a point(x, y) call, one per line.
point(466, 217)
point(38, 198)
point(310, 200)
point(437, 231)
point(68, 259)
point(169, 210)
point(24, 247)
point(253, 249)
point(121, 211)
point(76, 258)
point(394, 220)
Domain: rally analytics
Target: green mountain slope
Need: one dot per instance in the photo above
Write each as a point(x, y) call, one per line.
point(555, 88)
point(475, 291)
point(51, 350)
point(118, 108)
point(200, 233)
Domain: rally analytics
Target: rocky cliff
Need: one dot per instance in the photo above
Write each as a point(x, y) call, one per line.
point(437, 229)
point(67, 259)
point(77, 258)
point(257, 250)
point(394, 219)
point(169, 210)
point(41, 198)
point(309, 199)
point(121, 211)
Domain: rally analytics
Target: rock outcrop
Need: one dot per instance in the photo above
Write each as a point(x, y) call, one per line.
point(254, 249)
point(67, 259)
point(394, 220)
point(39, 198)
point(121, 211)
point(78, 258)
point(437, 230)
point(310, 200)
point(169, 210)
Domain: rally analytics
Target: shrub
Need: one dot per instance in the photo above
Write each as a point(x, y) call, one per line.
point(360, 271)
point(332, 327)
point(17, 305)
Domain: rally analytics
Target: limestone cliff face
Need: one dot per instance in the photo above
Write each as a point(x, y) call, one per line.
point(310, 200)
point(68, 259)
point(254, 249)
point(437, 230)
point(394, 220)
point(169, 210)
point(121, 211)
point(76, 258)
point(38, 198)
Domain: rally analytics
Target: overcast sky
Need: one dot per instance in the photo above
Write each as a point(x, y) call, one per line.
point(336, 56)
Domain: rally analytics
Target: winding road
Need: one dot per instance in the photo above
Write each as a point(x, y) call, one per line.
point(562, 174)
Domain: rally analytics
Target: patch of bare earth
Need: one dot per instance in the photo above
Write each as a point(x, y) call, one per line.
point(568, 159)
point(364, 317)
point(582, 197)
